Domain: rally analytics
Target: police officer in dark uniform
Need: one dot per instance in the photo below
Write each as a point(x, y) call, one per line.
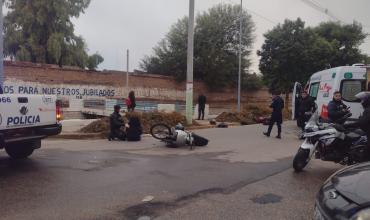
point(201, 106)
point(364, 121)
point(336, 108)
point(305, 109)
point(134, 129)
point(277, 114)
point(116, 124)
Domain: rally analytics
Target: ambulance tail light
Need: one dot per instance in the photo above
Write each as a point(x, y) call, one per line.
point(324, 112)
point(58, 110)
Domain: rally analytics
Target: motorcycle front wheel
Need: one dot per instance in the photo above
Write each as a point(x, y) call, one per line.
point(301, 159)
point(160, 131)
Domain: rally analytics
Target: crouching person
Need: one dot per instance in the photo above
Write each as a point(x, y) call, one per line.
point(116, 125)
point(134, 129)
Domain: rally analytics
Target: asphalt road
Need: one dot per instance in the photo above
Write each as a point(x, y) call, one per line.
point(240, 175)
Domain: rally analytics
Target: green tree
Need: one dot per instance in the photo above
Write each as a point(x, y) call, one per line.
point(345, 40)
point(293, 53)
point(217, 45)
point(94, 61)
point(42, 31)
point(215, 48)
point(252, 82)
point(170, 54)
point(284, 54)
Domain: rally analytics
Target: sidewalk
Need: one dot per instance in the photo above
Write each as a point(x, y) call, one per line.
point(74, 125)
point(71, 128)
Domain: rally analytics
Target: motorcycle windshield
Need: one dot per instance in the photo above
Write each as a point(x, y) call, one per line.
point(314, 120)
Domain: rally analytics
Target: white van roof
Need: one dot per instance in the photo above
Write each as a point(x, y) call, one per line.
point(319, 75)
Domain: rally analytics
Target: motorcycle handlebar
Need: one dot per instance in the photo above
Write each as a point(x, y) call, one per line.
point(348, 115)
point(344, 118)
point(339, 127)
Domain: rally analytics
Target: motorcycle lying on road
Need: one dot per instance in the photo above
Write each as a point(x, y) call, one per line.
point(331, 142)
point(177, 136)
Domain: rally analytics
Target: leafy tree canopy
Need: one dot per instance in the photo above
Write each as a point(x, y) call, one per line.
point(42, 31)
point(291, 52)
point(216, 48)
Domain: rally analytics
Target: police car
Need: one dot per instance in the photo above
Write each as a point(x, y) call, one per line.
point(25, 120)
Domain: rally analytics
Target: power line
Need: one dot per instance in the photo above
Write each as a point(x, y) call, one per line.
point(313, 4)
point(263, 17)
point(257, 14)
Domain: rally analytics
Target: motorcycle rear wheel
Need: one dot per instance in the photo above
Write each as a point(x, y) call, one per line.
point(199, 141)
point(160, 131)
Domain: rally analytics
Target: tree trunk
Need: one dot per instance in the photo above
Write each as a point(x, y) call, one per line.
point(287, 98)
point(287, 105)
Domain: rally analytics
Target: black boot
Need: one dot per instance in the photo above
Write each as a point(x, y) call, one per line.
point(267, 134)
point(110, 137)
point(279, 131)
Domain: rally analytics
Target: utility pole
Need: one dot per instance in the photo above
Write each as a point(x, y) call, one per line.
point(1, 48)
point(240, 54)
point(190, 66)
point(127, 70)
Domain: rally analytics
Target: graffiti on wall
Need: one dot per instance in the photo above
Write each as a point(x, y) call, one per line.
point(59, 91)
point(13, 86)
point(63, 90)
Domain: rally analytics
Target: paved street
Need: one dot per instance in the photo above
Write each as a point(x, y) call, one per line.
point(240, 175)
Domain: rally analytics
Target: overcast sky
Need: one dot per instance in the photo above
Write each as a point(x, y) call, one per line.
point(110, 27)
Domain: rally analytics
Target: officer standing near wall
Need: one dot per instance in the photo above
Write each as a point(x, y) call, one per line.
point(202, 100)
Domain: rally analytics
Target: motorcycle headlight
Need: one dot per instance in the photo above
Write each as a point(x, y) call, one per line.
point(362, 215)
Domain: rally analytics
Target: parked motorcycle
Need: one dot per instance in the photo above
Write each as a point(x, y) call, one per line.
point(177, 136)
point(330, 142)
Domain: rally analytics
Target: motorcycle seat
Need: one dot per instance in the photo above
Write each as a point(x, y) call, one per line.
point(353, 135)
point(359, 132)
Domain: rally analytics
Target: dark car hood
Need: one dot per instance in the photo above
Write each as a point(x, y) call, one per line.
point(354, 183)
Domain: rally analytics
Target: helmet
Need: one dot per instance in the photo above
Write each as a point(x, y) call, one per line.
point(179, 126)
point(117, 107)
point(365, 98)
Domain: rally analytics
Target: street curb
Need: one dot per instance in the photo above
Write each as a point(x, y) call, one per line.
point(76, 136)
point(95, 136)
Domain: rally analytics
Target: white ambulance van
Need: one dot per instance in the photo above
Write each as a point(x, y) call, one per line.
point(349, 80)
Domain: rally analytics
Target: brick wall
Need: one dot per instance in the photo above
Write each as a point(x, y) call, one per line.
point(146, 86)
